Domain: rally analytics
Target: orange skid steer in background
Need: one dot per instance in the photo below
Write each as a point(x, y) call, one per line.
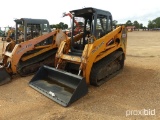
point(91, 57)
point(34, 45)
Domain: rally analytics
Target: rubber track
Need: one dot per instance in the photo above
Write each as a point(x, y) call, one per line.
point(40, 58)
point(105, 62)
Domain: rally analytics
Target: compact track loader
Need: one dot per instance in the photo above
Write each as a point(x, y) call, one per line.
point(34, 45)
point(91, 57)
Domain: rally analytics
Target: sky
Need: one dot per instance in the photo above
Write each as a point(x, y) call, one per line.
point(121, 10)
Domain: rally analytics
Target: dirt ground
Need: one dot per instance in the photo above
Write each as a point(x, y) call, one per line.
point(135, 89)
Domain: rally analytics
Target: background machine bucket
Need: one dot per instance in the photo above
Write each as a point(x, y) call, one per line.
point(4, 76)
point(60, 86)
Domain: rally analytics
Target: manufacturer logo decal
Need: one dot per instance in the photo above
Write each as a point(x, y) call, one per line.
point(94, 50)
point(23, 48)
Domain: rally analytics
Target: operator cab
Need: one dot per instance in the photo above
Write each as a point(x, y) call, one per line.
point(27, 29)
point(93, 22)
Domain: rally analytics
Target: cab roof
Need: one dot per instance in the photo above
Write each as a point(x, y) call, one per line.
point(31, 21)
point(89, 11)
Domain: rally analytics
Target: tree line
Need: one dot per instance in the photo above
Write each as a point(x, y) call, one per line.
point(130, 23)
point(61, 25)
point(152, 24)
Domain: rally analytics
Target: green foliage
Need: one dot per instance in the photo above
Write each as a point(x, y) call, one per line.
point(129, 23)
point(157, 21)
point(150, 24)
point(141, 26)
point(154, 23)
point(61, 25)
point(80, 23)
point(2, 33)
point(114, 23)
point(136, 24)
point(65, 26)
